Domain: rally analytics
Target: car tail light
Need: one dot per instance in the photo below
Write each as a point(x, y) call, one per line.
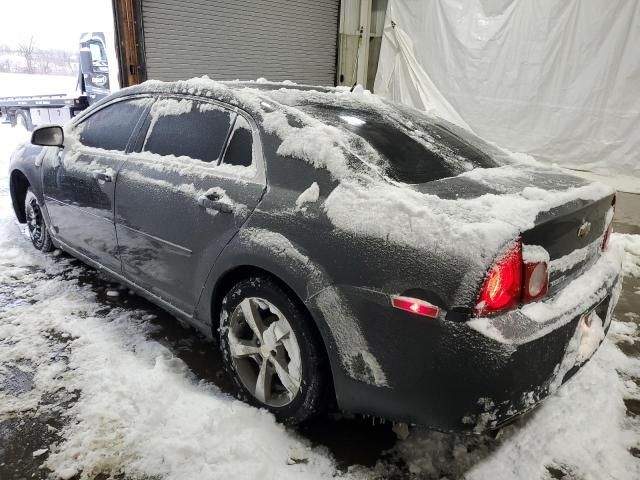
point(415, 305)
point(536, 281)
point(512, 281)
point(502, 287)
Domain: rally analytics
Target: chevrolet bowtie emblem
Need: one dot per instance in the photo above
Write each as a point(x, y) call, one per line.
point(584, 229)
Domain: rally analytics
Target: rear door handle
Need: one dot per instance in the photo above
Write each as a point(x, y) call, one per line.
point(102, 176)
point(213, 201)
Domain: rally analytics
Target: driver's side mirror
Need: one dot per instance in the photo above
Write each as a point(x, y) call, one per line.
point(48, 136)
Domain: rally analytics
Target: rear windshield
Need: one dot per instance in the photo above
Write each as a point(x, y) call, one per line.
point(414, 148)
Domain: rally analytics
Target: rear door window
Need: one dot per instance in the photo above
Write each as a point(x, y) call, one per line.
point(111, 127)
point(240, 148)
point(185, 127)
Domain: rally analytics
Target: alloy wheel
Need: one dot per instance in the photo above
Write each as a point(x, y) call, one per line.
point(265, 352)
point(35, 223)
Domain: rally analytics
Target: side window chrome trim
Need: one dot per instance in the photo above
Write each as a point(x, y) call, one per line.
point(81, 119)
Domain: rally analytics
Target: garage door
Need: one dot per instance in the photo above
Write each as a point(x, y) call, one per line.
point(275, 39)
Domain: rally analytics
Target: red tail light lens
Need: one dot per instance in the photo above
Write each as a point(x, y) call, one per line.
point(415, 305)
point(502, 288)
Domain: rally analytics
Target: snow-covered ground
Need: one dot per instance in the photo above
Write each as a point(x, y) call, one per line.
point(16, 84)
point(81, 358)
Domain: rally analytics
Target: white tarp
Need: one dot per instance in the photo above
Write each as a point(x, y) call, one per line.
point(558, 79)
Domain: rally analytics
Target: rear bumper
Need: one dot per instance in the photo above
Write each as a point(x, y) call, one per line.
point(479, 375)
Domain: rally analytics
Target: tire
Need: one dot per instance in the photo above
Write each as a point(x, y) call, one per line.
point(38, 231)
point(265, 300)
point(23, 119)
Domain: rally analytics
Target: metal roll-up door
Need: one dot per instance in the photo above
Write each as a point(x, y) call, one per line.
point(275, 39)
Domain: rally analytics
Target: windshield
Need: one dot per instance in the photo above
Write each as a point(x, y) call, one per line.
point(98, 54)
point(414, 148)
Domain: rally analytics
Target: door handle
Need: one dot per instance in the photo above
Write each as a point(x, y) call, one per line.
point(213, 202)
point(102, 177)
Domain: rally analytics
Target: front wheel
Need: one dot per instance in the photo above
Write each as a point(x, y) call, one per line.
point(38, 231)
point(271, 351)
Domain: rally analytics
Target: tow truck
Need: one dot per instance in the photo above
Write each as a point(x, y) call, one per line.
point(93, 84)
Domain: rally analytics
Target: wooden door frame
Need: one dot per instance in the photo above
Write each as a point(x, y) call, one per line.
point(129, 36)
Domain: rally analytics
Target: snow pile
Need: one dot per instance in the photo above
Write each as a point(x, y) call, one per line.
point(319, 144)
point(310, 195)
point(163, 419)
point(631, 265)
point(534, 254)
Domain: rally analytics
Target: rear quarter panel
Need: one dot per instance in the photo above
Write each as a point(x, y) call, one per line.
point(325, 265)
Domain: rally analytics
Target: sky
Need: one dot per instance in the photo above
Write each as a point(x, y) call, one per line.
point(53, 23)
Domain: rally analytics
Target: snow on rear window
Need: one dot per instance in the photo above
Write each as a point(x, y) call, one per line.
point(412, 153)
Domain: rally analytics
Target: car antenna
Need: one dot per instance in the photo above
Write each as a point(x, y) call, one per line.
point(355, 65)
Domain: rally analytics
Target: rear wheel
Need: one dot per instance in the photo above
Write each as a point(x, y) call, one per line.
point(38, 231)
point(270, 350)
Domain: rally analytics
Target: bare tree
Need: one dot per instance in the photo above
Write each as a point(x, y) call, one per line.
point(27, 50)
point(44, 60)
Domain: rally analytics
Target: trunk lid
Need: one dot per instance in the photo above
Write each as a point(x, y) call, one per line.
point(571, 232)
